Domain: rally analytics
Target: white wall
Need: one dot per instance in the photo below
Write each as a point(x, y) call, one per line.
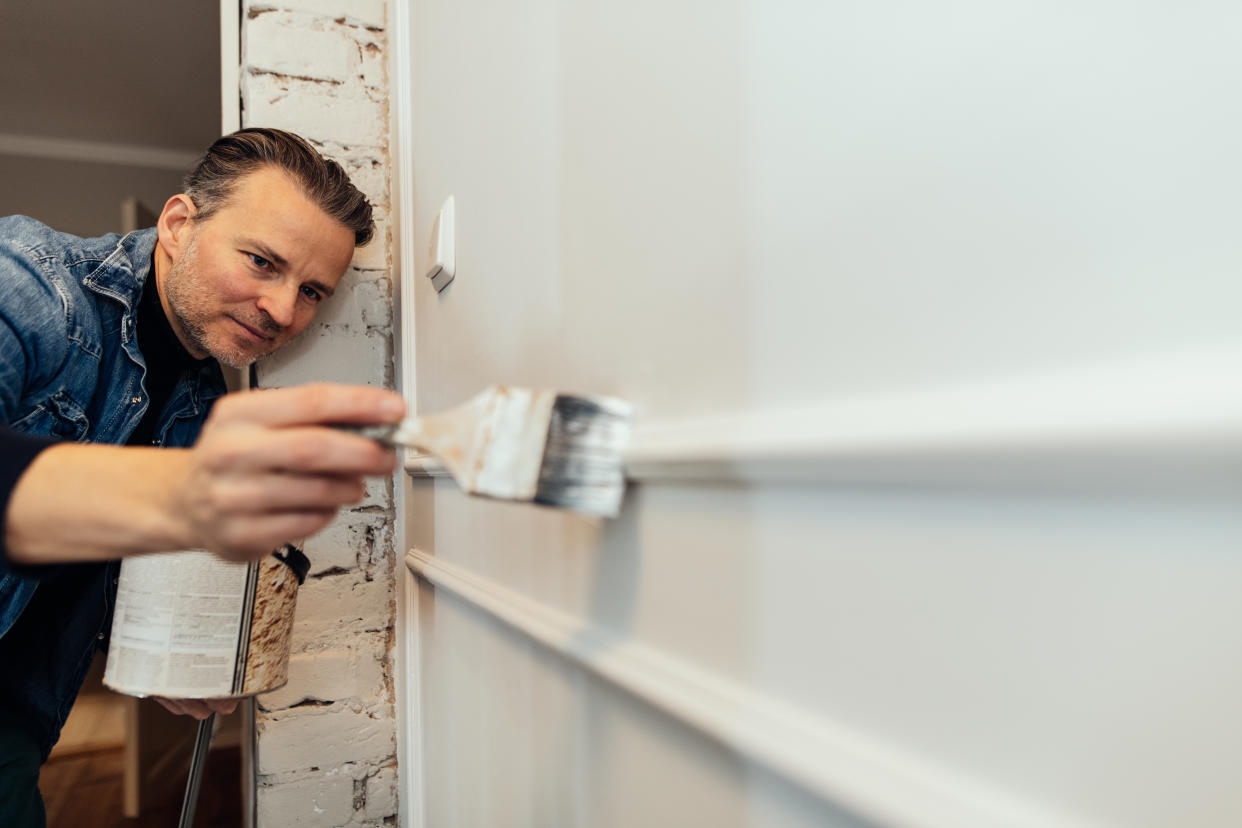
point(929, 315)
point(850, 200)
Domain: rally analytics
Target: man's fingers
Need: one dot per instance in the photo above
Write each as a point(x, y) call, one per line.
point(254, 537)
point(222, 706)
point(256, 494)
point(198, 708)
point(267, 468)
point(310, 404)
point(184, 707)
point(303, 449)
point(171, 705)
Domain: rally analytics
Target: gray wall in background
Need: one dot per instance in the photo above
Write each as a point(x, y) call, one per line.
point(124, 75)
point(77, 196)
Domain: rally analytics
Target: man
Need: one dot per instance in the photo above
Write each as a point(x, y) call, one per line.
point(119, 341)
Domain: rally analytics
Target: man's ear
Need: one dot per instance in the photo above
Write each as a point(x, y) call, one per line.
point(175, 223)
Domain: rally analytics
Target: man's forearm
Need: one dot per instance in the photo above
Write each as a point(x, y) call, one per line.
point(264, 471)
point(96, 502)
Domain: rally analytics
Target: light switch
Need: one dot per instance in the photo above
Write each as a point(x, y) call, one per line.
point(440, 254)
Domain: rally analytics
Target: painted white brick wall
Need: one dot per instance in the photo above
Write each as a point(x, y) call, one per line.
point(366, 13)
point(327, 740)
point(315, 799)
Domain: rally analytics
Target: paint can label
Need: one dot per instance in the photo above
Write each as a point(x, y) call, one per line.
point(191, 625)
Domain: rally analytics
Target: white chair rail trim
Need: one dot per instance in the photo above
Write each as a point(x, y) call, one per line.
point(1168, 421)
point(842, 767)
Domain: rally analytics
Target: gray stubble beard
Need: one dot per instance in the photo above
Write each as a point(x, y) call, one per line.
point(183, 290)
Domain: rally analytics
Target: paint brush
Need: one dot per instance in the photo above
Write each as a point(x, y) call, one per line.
point(520, 444)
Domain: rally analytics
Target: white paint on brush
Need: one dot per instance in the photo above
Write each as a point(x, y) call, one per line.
point(513, 431)
point(502, 444)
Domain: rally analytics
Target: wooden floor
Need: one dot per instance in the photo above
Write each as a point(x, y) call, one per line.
point(82, 782)
point(84, 789)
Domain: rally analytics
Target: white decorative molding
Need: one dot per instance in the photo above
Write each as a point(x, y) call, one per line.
point(837, 764)
point(230, 66)
point(1171, 420)
point(407, 666)
point(411, 803)
point(406, 247)
point(96, 152)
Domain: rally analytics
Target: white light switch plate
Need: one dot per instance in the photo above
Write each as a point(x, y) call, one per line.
point(441, 253)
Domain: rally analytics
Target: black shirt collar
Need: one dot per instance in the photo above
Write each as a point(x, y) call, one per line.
point(166, 357)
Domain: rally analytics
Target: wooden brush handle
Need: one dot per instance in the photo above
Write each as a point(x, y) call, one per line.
point(385, 433)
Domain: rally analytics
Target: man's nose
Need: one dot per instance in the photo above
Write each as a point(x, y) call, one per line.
point(279, 303)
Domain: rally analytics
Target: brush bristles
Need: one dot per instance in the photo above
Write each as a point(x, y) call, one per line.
point(581, 467)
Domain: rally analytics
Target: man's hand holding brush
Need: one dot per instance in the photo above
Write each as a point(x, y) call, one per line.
point(265, 470)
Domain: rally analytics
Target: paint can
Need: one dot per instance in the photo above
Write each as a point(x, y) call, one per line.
point(190, 625)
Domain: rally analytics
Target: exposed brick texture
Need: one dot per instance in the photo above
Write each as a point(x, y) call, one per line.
point(312, 800)
point(354, 675)
point(367, 13)
point(302, 738)
point(326, 741)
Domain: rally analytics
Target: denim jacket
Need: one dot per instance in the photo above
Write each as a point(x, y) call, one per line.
point(70, 369)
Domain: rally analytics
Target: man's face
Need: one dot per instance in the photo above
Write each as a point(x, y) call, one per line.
point(251, 277)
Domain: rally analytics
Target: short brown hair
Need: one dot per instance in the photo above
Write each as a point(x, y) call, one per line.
point(210, 184)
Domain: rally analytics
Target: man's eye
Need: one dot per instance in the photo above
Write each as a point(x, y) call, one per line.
point(311, 294)
point(259, 261)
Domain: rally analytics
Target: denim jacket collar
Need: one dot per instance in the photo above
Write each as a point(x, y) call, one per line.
point(122, 274)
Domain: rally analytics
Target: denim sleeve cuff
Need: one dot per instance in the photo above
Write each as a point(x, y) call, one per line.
point(17, 452)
